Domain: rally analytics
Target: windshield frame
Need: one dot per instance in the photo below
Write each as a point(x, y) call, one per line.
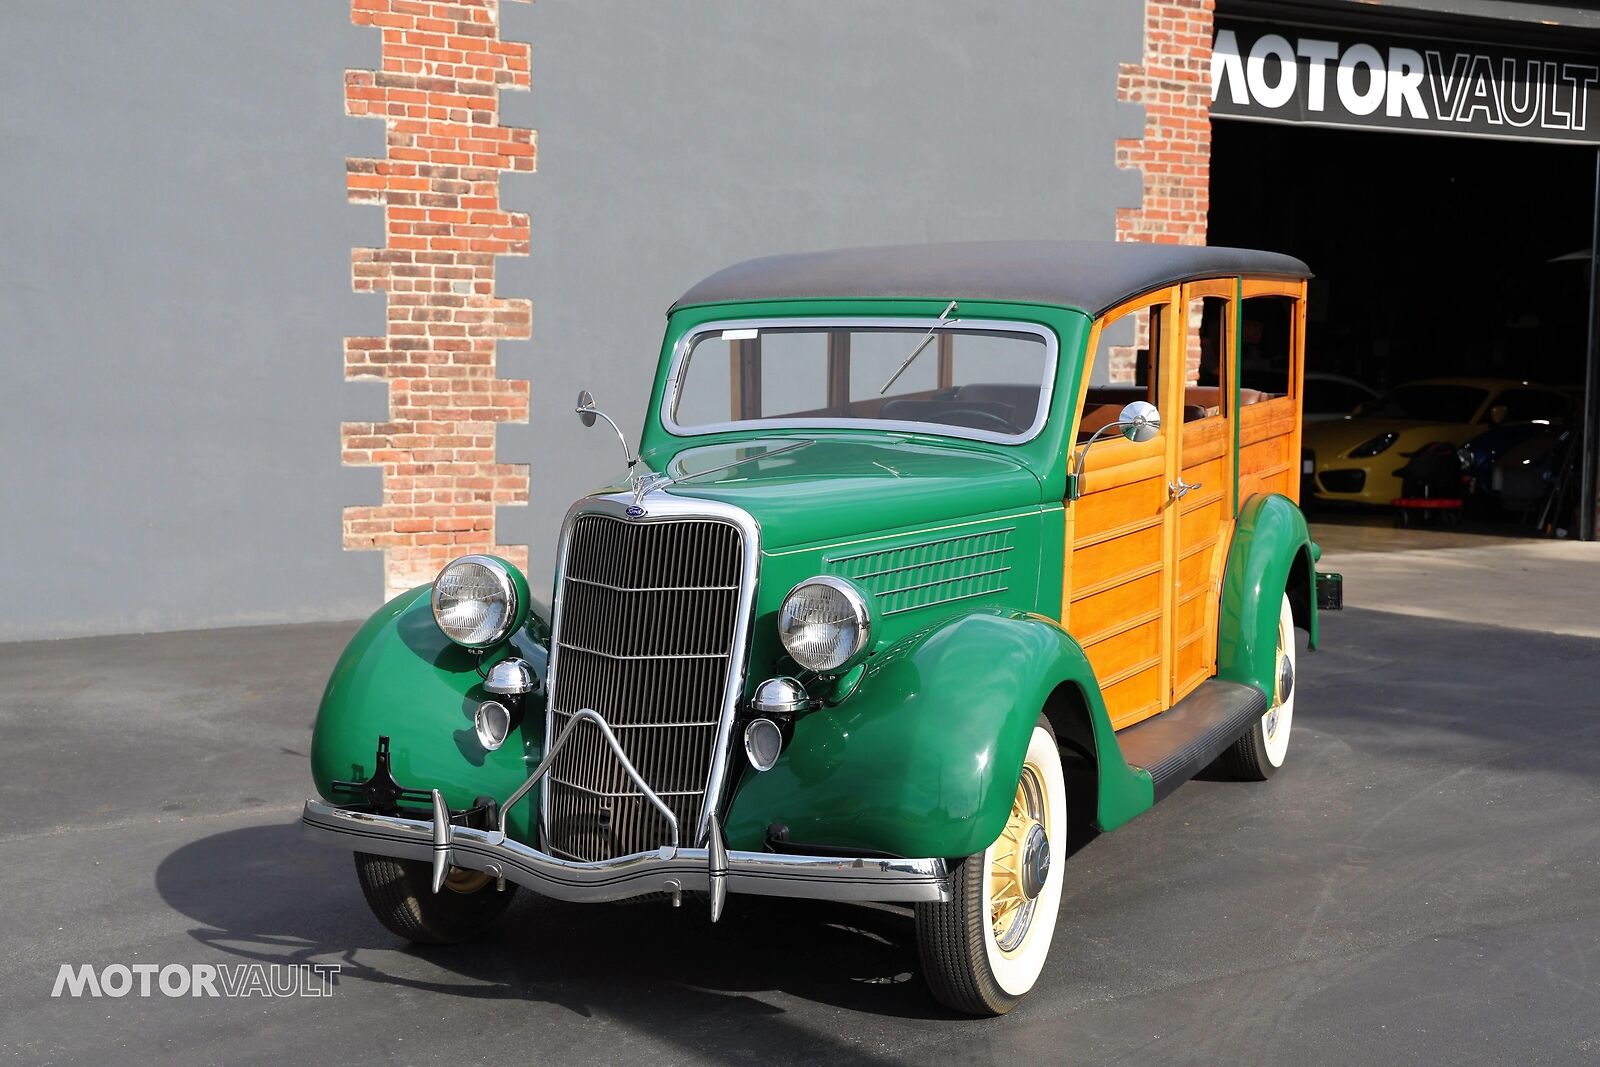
point(913, 325)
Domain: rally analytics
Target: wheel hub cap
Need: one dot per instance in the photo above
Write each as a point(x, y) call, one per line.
point(1035, 861)
point(1285, 676)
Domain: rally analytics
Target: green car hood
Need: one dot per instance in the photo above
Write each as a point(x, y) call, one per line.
point(834, 488)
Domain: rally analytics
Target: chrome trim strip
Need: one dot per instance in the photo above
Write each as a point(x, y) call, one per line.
point(933, 563)
point(669, 399)
point(927, 544)
point(663, 871)
point(949, 600)
point(942, 581)
point(661, 506)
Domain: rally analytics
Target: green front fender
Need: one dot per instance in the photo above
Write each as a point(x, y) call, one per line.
point(1272, 553)
point(401, 677)
point(923, 759)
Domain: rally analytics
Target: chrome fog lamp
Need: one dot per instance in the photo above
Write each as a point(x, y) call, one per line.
point(511, 677)
point(779, 696)
point(492, 722)
point(763, 743)
point(825, 624)
point(475, 601)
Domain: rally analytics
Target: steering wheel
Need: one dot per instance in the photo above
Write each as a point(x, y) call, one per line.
point(979, 420)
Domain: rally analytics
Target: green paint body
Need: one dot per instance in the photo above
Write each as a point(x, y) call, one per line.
point(921, 757)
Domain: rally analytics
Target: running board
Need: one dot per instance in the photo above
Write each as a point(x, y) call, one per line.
point(1179, 743)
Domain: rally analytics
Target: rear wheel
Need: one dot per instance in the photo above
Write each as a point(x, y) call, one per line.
point(400, 894)
point(1257, 755)
point(983, 949)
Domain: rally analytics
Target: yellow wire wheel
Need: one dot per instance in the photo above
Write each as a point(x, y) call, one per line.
point(462, 880)
point(1012, 897)
point(983, 949)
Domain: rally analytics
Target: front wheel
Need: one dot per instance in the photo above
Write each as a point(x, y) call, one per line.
point(983, 949)
point(400, 894)
point(1257, 755)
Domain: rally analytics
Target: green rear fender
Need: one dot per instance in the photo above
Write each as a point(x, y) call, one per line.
point(923, 759)
point(1272, 553)
point(401, 677)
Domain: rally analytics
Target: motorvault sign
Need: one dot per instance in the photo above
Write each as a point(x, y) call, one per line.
point(1258, 72)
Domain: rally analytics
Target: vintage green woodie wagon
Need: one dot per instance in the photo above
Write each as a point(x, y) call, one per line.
point(934, 562)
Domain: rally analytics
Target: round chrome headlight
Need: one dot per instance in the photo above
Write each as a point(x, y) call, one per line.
point(475, 601)
point(825, 624)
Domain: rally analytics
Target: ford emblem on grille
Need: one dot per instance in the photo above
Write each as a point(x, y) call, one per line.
point(635, 511)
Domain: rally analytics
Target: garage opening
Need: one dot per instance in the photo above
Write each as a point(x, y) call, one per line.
point(1459, 265)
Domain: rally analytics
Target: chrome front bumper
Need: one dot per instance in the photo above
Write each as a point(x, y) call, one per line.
point(669, 870)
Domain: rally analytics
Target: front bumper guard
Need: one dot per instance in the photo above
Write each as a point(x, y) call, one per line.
point(672, 869)
point(669, 870)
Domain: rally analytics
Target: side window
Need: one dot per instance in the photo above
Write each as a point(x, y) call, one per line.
point(1529, 405)
point(1206, 392)
point(1127, 363)
point(1266, 346)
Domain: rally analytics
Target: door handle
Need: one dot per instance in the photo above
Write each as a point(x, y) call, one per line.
point(1179, 489)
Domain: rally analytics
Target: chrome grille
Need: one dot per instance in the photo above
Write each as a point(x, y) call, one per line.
point(646, 635)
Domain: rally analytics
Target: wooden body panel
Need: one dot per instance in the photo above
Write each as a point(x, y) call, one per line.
point(1269, 458)
point(1117, 592)
point(1142, 577)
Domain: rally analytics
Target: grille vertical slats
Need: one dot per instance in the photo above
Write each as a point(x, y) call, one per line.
point(646, 638)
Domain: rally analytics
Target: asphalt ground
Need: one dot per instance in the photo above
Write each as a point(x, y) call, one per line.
point(1419, 884)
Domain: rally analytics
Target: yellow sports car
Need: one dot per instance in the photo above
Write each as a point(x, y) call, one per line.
point(1357, 458)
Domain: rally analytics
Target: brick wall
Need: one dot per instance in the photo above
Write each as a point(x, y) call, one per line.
point(1174, 84)
point(437, 92)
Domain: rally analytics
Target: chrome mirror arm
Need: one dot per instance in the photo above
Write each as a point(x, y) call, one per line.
point(1083, 452)
point(626, 451)
point(1138, 421)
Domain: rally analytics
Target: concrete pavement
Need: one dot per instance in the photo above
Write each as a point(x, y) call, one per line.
point(1419, 884)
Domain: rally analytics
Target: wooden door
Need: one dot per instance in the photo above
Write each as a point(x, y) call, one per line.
point(1119, 570)
point(1202, 496)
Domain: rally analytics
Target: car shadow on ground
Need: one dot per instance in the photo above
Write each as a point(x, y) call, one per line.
point(265, 893)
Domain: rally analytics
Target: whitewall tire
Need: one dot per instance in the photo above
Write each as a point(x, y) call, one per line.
point(1257, 755)
point(983, 950)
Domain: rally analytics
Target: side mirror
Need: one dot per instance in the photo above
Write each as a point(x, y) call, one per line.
point(585, 408)
point(1139, 421)
point(1498, 413)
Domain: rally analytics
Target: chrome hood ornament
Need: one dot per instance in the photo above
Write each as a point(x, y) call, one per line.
point(643, 483)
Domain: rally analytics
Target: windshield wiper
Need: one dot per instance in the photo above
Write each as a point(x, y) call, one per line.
point(943, 315)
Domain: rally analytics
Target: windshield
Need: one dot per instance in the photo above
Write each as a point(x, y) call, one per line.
point(1427, 403)
point(988, 381)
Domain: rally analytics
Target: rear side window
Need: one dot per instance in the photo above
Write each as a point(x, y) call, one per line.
point(1266, 344)
point(1531, 405)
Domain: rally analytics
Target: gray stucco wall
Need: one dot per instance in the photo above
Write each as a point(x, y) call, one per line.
point(174, 250)
point(174, 284)
point(678, 137)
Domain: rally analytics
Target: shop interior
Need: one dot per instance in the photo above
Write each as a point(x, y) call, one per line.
point(1436, 257)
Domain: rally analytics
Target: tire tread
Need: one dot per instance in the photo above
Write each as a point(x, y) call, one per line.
point(400, 895)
